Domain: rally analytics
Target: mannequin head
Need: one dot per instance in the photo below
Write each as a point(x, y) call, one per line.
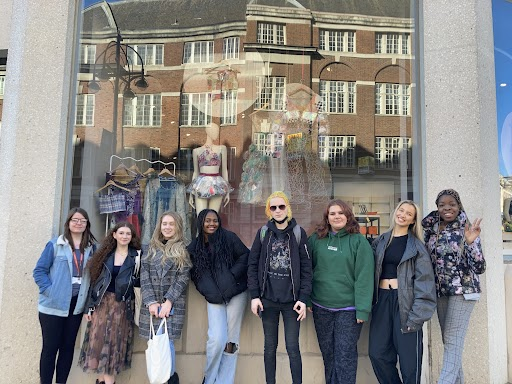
point(212, 131)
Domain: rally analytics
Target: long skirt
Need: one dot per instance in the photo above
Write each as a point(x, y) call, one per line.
point(108, 342)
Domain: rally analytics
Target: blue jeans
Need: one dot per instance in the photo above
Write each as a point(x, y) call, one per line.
point(224, 323)
point(338, 333)
point(270, 319)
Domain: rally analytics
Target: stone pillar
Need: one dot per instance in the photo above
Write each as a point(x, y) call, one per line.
point(35, 126)
point(460, 151)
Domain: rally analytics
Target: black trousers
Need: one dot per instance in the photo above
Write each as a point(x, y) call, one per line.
point(59, 335)
point(387, 342)
point(270, 320)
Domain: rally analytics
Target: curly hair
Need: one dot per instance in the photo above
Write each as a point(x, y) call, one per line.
point(107, 246)
point(88, 238)
point(173, 248)
point(220, 248)
point(324, 227)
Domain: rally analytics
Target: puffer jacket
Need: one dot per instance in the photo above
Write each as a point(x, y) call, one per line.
point(125, 281)
point(223, 280)
point(300, 263)
point(456, 269)
point(416, 287)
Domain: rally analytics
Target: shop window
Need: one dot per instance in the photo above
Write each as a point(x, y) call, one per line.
point(232, 163)
point(84, 110)
point(151, 54)
point(2, 85)
point(338, 96)
point(394, 43)
point(337, 41)
point(270, 92)
point(392, 99)
point(392, 152)
point(143, 111)
point(231, 48)
point(270, 33)
point(268, 143)
point(87, 54)
point(338, 151)
point(196, 109)
point(198, 52)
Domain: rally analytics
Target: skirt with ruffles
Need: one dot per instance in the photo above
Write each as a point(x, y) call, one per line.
point(108, 342)
point(206, 186)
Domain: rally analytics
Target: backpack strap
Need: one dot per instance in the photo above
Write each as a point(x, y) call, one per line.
point(296, 231)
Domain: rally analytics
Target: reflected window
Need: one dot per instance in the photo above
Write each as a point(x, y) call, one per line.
point(268, 143)
point(337, 41)
point(338, 151)
point(270, 33)
point(338, 96)
point(392, 99)
point(390, 152)
point(143, 111)
point(271, 92)
point(196, 109)
point(228, 115)
point(151, 54)
point(2, 85)
point(198, 52)
point(84, 110)
point(87, 54)
point(231, 48)
point(393, 42)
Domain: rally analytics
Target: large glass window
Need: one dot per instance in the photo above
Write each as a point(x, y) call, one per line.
point(313, 98)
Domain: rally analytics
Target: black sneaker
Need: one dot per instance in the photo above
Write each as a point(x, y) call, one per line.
point(174, 379)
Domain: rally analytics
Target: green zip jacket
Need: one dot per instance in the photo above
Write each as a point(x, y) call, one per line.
point(343, 268)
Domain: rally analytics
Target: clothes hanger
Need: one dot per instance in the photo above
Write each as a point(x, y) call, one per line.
point(113, 184)
point(135, 169)
point(150, 171)
point(166, 173)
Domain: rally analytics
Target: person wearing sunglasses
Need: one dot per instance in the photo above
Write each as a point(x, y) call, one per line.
point(63, 280)
point(279, 282)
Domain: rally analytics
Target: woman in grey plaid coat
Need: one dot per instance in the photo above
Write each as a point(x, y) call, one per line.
point(164, 276)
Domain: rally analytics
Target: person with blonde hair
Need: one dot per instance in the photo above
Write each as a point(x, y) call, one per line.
point(164, 277)
point(404, 298)
point(279, 282)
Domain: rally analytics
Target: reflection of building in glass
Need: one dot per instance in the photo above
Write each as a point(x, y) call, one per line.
point(234, 67)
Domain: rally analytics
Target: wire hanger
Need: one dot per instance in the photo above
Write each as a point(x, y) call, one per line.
point(113, 184)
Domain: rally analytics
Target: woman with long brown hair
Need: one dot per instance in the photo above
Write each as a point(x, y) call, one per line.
point(164, 277)
point(108, 344)
point(342, 289)
point(63, 293)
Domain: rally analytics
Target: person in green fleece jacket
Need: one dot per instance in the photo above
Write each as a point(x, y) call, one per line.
point(341, 298)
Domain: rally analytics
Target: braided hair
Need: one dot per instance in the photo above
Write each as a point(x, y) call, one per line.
point(211, 253)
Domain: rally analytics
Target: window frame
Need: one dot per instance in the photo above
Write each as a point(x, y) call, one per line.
point(142, 50)
point(86, 111)
point(188, 103)
point(389, 156)
point(231, 48)
point(390, 102)
point(190, 59)
point(338, 101)
point(155, 111)
point(340, 151)
point(269, 97)
point(329, 39)
point(271, 33)
point(383, 45)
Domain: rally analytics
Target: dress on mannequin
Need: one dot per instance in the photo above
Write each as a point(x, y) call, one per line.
point(209, 184)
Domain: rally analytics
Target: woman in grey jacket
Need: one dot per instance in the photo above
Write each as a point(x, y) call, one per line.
point(164, 276)
point(404, 298)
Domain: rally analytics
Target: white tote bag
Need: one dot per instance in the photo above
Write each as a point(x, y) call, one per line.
point(136, 291)
point(158, 354)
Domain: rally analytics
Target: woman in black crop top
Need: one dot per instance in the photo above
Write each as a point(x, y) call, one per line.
point(404, 298)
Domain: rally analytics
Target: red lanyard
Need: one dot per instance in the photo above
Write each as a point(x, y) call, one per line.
point(76, 262)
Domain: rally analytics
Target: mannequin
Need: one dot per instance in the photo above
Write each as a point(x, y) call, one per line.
point(209, 184)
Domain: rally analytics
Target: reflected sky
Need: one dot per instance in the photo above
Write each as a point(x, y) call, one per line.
point(502, 14)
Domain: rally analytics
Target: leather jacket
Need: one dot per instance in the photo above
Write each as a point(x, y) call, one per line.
point(416, 285)
point(125, 281)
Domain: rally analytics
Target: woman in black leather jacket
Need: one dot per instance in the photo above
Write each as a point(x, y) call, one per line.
point(108, 343)
point(219, 272)
point(404, 298)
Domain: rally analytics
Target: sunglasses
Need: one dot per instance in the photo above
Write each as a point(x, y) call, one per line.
point(281, 207)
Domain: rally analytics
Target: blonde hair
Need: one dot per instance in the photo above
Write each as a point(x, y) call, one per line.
point(174, 248)
point(283, 196)
point(415, 227)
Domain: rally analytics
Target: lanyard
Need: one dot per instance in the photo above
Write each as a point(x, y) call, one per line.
point(78, 266)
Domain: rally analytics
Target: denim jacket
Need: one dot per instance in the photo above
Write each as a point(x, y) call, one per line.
point(53, 274)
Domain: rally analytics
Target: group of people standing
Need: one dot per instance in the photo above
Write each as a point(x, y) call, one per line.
point(335, 274)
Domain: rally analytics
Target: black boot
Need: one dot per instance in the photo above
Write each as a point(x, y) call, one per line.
point(174, 379)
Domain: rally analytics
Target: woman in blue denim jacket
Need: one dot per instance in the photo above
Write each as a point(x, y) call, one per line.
point(63, 286)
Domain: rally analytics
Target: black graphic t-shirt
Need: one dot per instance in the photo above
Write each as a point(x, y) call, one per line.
point(279, 282)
